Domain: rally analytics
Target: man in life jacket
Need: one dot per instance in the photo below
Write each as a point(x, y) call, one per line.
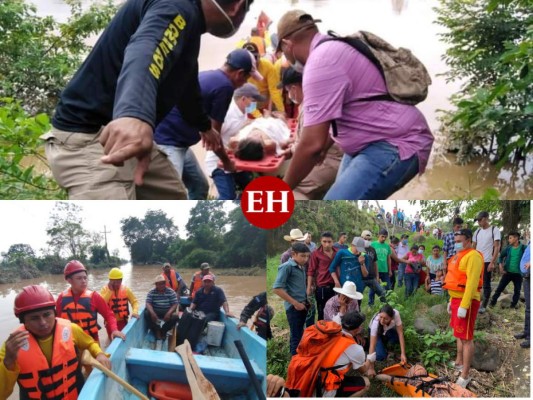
point(173, 279)
point(263, 318)
point(81, 306)
point(336, 357)
point(197, 278)
point(464, 281)
point(42, 354)
point(118, 297)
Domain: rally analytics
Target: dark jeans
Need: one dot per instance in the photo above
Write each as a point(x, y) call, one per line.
point(527, 295)
point(504, 281)
point(322, 295)
point(296, 321)
point(401, 274)
point(227, 183)
point(391, 336)
point(487, 277)
point(375, 287)
point(393, 280)
point(166, 326)
point(411, 283)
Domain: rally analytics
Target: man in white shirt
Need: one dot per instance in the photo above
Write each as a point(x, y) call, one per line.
point(244, 99)
point(487, 240)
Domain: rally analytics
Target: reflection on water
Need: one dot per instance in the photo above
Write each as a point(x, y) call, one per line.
point(403, 23)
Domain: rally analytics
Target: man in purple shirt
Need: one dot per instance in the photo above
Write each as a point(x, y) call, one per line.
point(386, 143)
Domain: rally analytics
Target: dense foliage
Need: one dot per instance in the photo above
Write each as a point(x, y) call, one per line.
point(490, 48)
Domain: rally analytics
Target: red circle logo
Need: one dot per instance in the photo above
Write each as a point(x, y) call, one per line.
point(267, 202)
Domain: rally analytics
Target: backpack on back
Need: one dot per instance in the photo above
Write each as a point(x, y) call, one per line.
point(316, 343)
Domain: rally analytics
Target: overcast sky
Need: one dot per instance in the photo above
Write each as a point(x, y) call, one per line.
point(26, 221)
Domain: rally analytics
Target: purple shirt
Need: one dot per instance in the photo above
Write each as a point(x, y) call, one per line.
point(335, 76)
point(332, 309)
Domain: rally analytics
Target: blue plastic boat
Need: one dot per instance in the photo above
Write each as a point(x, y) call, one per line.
point(136, 362)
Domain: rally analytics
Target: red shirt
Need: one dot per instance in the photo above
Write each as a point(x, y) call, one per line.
point(319, 267)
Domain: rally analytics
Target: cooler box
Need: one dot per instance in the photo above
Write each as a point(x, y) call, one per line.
point(215, 332)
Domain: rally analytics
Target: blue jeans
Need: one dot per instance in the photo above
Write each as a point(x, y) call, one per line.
point(227, 183)
point(391, 336)
point(185, 162)
point(411, 283)
point(374, 287)
point(376, 172)
point(401, 274)
point(296, 321)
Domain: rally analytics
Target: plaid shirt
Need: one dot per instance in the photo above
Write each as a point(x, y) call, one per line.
point(449, 245)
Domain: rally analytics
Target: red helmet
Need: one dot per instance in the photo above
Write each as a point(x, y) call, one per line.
point(72, 267)
point(32, 298)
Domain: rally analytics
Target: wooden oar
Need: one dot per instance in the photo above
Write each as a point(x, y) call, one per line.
point(87, 359)
point(195, 376)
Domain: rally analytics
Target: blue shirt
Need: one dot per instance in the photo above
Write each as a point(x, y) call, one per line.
point(350, 268)
point(526, 257)
point(209, 302)
point(161, 302)
point(291, 278)
point(217, 92)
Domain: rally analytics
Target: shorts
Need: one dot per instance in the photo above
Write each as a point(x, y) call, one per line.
point(463, 328)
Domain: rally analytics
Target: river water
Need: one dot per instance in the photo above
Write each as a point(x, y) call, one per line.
point(238, 289)
point(406, 23)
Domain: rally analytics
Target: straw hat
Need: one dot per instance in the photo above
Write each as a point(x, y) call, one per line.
point(349, 290)
point(295, 234)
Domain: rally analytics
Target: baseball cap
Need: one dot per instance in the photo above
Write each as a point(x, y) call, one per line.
point(243, 59)
point(205, 266)
point(249, 90)
point(359, 243)
point(290, 77)
point(366, 233)
point(464, 232)
point(208, 277)
point(293, 21)
point(159, 278)
point(482, 214)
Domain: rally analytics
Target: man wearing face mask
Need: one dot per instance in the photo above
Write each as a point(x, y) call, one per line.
point(145, 62)
point(244, 101)
point(464, 281)
point(386, 143)
point(315, 185)
point(175, 136)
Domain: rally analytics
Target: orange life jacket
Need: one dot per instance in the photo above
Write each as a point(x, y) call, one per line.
point(80, 313)
point(62, 378)
point(119, 304)
point(172, 283)
point(196, 282)
point(312, 367)
point(455, 278)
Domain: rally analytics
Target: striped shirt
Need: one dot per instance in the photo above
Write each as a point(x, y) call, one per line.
point(161, 302)
point(436, 287)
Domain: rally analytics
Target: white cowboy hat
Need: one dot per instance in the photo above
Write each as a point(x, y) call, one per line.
point(295, 234)
point(349, 290)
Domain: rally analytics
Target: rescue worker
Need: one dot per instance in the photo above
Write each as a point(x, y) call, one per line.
point(80, 305)
point(198, 276)
point(464, 281)
point(172, 278)
point(118, 297)
point(263, 318)
point(42, 354)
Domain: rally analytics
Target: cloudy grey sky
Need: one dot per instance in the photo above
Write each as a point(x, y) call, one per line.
point(26, 221)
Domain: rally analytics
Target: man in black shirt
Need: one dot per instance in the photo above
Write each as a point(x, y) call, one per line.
point(145, 62)
point(209, 299)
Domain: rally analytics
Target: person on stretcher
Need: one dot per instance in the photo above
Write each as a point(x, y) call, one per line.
point(268, 135)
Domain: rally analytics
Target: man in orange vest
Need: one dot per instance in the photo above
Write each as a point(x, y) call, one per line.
point(197, 278)
point(172, 278)
point(41, 354)
point(118, 297)
point(81, 306)
point(464, 281)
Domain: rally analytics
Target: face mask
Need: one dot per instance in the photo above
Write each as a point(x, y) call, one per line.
point(293, 99)
point(458, 246)
point(404, 242)
point(298, 67)
point(232, 26)
point(420, 251)
point(251, 108)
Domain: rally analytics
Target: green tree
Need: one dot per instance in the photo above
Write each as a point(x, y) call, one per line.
point(19, 254)
point(66, 232)
point(490, 48)
point(206, 224)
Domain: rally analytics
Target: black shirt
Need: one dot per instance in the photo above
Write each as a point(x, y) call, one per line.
point(145, 62)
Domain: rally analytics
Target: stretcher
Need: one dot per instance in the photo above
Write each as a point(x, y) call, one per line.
point(270, 162)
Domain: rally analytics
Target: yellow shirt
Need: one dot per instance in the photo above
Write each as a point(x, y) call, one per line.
point(106, 294)
point(472, 265)
point(8, 378)
point(269, 85)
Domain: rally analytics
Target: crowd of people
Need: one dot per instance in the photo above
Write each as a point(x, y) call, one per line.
point(125, 124)
point(331, 281)
point(42, 354)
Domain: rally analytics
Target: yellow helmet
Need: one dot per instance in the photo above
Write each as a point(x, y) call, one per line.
point(115, 273)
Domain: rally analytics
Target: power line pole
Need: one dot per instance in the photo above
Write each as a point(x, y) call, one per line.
point(105, 232)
